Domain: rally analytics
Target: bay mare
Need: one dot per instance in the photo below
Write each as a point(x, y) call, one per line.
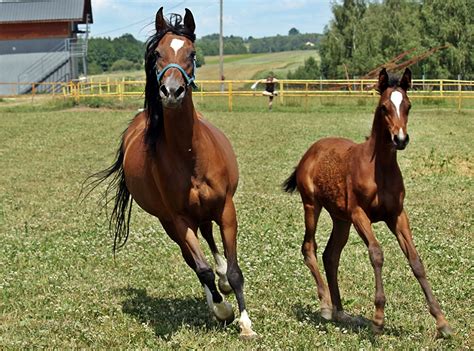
point(181, 169)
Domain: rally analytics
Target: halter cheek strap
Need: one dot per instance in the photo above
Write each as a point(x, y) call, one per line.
point(189, 80)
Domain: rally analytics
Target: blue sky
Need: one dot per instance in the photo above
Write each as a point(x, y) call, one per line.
point(257, 18)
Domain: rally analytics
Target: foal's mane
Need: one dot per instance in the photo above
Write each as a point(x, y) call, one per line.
point(152, 102)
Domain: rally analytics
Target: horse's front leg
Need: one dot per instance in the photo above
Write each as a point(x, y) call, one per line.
point(228, 228)
point(194, 257)
point(363, 227)
point(221, 263)
point(401, 228)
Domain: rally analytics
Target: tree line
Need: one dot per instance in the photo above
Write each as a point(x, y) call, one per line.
point(365, 34)
point(124, 53)
point(238, 45)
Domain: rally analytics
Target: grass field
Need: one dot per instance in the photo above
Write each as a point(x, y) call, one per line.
point(245, 66)
point(61, 287)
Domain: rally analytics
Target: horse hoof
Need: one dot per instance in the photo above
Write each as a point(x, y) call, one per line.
point(224, 313)
point(342, 317)
point(248, 335)
point(326, 313)
point(224, 287)
point(445, 332)
point(377, 329)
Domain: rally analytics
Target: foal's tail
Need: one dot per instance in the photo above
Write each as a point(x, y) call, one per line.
point(290, 185)
point(120, 218)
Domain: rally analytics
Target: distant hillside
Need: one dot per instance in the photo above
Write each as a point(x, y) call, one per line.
point(250, 66)
point(246, 66)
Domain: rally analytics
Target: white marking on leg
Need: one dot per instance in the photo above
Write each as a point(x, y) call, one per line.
point(246, 325)
point(209, 301)
point(223, 311)
point(176, 44)
point(396, 98)
point(221, 268)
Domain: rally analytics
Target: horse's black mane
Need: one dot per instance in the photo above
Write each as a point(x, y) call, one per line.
point(152, 103)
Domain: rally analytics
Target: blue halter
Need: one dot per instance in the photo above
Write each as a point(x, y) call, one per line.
point(189, 80)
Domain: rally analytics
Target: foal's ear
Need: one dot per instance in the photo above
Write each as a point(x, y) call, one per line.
point(405, 81)
point(383, 81)
point(160, 22)
point(189, 21)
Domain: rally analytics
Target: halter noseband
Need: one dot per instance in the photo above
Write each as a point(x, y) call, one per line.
point(189, 80)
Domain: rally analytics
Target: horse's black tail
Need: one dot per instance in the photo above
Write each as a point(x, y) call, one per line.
point(119, 220)
point(290, 185)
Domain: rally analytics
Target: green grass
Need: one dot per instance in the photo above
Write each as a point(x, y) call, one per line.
point(61, 288)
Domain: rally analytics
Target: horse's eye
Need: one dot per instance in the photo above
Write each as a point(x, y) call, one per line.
point(192, 55)
point(157, 55)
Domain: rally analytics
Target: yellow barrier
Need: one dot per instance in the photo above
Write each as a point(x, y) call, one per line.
point(428, 88)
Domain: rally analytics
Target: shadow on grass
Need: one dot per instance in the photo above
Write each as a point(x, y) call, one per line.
point(166, 315)
point(363, 326)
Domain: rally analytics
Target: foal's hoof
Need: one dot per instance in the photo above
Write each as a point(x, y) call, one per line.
point(445, 332)
point(326, 313)
point(224, 313)
point(377, 328)
point(224, 287)
point(342, 317)
point(248, 335)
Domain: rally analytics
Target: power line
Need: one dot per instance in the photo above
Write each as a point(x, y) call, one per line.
point(138, 22)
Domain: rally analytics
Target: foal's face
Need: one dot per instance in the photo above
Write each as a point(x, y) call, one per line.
point(395, 106)
point(178, 50)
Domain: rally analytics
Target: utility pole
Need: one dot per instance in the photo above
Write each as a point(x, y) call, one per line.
point(221, 45)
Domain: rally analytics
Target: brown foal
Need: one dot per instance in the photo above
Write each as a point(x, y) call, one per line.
point(361, 184)
point(180, 168)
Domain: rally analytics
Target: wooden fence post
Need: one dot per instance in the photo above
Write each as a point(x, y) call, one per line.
point(460, 95)
point(122, 89)
point(281, 92)
point(306, 98)
point(229, 92)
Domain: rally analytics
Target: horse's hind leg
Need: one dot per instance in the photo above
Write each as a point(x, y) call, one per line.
point(401, 228)
point(308, 249)
point(228, 228)
point(331, 257)
point(185, 237)
point(221, 263)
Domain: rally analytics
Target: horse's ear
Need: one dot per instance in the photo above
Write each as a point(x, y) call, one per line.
point(383, 81)
point(405, 81)
point(160, 22)
point(189, 21)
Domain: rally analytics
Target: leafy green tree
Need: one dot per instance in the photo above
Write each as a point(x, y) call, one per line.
point(124, 65)
point(200, 61)
point(310, 70)
point(365, 34)
point(449, 22)
point(339, 41)
point(293, 31)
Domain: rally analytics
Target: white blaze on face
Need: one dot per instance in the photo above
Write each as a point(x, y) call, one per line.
point(396, 98)
point(176, 44)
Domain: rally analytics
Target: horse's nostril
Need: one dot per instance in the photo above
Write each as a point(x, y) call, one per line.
point(179, 91)
point(164, 90)
point(407, 139)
